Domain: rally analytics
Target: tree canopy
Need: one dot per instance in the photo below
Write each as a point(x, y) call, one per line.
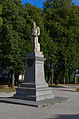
point(15, 42)
point(59, 39)
point(61, 20)
point(15, 35)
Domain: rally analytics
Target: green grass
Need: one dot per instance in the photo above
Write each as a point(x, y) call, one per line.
point(53, 85)
point(7, 90)
point(77, 89)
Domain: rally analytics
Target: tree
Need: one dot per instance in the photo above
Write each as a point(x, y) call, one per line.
point(1, 21)
point(15, 35)
point(61, 20)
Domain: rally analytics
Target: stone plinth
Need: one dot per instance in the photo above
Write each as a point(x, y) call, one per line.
point(34, 86)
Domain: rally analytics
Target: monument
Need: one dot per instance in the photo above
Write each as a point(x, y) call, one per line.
point(34, 87)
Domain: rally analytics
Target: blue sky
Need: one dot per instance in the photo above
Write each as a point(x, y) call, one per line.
point(39, 3)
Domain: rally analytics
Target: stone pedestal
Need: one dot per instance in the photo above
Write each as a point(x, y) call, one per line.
point(34, 86)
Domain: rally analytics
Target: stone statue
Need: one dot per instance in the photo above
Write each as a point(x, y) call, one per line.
point(35, 32)
point(34, 88)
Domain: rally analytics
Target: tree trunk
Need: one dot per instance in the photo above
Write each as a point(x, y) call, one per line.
point(69, 74)
point(74, 77)
point(52, 76)
point(49, 78)
point(64, 80)
point(16, 79)
point(75, 80)
point(52, 73)
point(13, 80)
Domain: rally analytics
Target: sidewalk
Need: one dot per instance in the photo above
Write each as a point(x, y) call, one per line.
point(71, 86)
point(64, 110)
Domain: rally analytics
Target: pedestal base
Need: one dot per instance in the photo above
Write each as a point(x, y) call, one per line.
point(34, 87)
point(29, 92)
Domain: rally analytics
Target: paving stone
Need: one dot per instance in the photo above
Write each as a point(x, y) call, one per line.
point(33, 103)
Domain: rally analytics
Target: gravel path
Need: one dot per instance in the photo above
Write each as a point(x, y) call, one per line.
point(64, 110)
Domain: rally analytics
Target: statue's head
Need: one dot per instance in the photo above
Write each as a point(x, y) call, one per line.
point(34, 24)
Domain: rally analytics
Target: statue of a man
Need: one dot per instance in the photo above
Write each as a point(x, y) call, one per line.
point(35, 32)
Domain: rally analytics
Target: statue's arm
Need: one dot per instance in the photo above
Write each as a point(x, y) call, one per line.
point(38, 29)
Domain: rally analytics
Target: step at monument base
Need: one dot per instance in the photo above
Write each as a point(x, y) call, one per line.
point(34, 94)
point(34, 87)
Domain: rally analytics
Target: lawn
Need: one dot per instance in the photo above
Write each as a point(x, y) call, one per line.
point(77, 89)
point(53, 85)
point(7, 90)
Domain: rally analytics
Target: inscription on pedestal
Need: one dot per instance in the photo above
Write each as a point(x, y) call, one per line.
point(30, 62)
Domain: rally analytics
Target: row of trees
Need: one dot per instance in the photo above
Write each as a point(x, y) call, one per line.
point(61, 19)
point(59, 39)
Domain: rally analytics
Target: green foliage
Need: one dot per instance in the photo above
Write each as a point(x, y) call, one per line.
point(59, 38)
point(77, 89)
point(15, 35)
point(61, 20)
point(15, 42)
point(1, 21)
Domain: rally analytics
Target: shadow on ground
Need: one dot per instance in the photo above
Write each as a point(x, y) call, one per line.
point(68, 90)
point(66, 117)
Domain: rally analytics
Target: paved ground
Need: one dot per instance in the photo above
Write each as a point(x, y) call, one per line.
point(64, 110)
